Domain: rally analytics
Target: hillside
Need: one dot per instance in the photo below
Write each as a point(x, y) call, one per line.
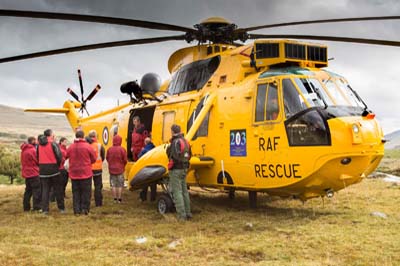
point(15, 124)
point(393, 140)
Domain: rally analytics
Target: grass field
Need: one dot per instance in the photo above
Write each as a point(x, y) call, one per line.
point(390, 163)
point(337, 231)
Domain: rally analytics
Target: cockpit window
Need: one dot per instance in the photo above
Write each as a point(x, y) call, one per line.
point(320, 91)
point(309, 91)
point(292, 101)
point(336, 93)
point(352, 97)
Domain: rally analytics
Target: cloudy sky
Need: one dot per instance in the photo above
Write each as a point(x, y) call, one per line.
point(373, 71)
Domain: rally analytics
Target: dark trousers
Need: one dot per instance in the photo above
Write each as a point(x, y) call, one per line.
point(153, 192)
point(32, 189)
point(63, 183)
point(64, 180)
point(98, 186)
point(47, 183)
point(81, 193)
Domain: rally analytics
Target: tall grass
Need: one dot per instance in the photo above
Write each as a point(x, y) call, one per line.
point(338, 231)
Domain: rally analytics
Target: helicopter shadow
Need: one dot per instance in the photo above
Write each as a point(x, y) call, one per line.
point(271, 206)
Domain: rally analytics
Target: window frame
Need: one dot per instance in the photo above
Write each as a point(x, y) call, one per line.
point(277, 84)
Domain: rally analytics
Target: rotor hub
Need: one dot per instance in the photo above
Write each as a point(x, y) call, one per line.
point(214, 30)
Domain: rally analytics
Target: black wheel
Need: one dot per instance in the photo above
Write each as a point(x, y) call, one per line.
point(165, 204)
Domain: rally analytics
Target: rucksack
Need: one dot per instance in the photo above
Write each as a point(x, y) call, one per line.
point(182, 151)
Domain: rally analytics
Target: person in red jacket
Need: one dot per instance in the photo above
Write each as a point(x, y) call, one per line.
point(30, 172)
point(81, 156)
point(139, 133)
point(117, 159)
point(63, 172)
point(49, 157)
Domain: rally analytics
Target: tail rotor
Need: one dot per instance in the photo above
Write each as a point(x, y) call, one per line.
point(83, 101)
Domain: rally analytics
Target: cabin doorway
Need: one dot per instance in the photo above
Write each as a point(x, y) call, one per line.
point(146, 118)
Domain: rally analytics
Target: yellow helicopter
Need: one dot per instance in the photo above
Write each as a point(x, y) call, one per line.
point(260, 117)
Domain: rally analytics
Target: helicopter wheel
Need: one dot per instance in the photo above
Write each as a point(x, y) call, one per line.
point(165, 204)
point(253, 199)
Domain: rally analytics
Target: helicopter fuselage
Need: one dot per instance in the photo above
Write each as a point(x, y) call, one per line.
point(257, 120)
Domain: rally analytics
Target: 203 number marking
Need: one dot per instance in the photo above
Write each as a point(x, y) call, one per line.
point(238, 138)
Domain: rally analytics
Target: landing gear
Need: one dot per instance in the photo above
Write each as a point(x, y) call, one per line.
point(231, 194)
point(165, 204)
point(253, 199)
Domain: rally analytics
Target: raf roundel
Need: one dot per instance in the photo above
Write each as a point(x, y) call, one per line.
point(105, 135)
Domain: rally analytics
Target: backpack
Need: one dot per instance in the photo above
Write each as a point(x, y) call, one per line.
point(182, 152)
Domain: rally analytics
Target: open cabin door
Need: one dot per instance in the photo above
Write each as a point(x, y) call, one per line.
point(146, 118)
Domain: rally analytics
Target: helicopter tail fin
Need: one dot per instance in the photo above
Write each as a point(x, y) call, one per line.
point(69, 109)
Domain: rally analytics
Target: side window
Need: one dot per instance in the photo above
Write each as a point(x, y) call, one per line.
point(203, 129)
point(168, 120)
point(260, 102)
point(292, 101)
point(272, 102)
point(267, 103)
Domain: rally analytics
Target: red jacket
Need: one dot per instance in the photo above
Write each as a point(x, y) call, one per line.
point(29, 161)
point(116, 157)
point(81, 156)
point(49, 157)
point(137, 140)
point(63, 150)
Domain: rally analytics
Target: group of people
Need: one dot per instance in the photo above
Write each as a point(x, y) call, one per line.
point(47, 165)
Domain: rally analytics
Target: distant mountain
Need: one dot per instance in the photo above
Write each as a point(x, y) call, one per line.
point(15, 123)
point(393, 140)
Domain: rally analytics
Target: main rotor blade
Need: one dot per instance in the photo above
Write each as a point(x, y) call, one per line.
point(325, 38)
point(92, 47)
point(316, 22)
point(95, 19)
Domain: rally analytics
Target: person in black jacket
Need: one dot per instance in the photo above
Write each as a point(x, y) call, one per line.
point(179, 154)
point(49, 158)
